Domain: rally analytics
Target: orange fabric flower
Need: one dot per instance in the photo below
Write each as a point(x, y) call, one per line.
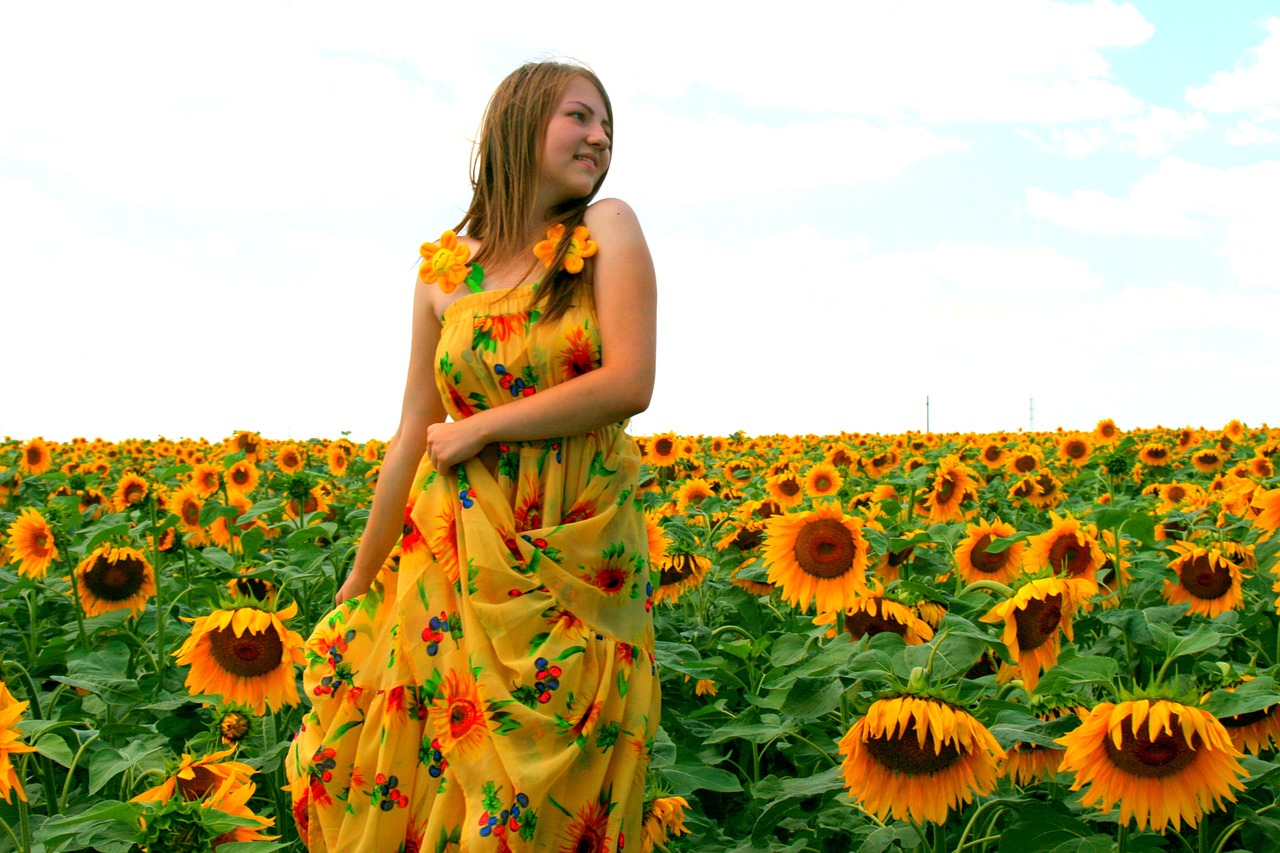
point(579, 247)
point(445, 262)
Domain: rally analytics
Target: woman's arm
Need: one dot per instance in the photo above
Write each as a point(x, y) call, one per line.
point(626, 310)
point(421, 408)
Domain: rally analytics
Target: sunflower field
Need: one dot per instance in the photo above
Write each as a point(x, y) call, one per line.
point(1057, 641)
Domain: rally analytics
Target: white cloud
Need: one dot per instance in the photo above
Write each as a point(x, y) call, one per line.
point(1232, 207)
point(1253, 85)
point(1150, 133)
point(1248, 133)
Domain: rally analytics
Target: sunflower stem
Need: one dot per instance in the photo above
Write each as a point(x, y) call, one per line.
point(17, 845)
point(1122, 838)
point(994, 586)
point(71, 772)
point(160, 608)
point(75, 590)
point(924, 838)
point(1226, 834)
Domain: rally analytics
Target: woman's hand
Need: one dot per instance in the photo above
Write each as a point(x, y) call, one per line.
point(453, 442)
point(351, 587)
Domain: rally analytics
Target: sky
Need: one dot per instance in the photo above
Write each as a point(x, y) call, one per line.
point(877, 216)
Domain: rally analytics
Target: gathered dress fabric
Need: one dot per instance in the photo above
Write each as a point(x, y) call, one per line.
point(495, 689)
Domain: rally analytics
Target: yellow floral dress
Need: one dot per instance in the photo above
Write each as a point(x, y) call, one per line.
point(496, 689)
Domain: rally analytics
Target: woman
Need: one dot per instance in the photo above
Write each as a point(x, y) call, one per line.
point(495, 688)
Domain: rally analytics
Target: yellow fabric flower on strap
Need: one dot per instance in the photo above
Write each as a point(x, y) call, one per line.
point(445, 262)
point(579, 247)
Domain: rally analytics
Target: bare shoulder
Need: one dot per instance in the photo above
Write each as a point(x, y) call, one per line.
point(612, 219)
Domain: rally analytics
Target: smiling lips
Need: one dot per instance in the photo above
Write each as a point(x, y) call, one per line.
point(587, 158)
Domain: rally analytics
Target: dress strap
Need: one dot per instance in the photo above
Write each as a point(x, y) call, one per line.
point(474, 278)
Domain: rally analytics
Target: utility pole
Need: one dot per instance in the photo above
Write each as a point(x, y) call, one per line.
point(926, 413)
point(1031, 409)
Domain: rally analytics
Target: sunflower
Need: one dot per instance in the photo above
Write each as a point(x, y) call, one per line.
point(113, 578)
point(130, 491)
point(918, 757)
point(11, 743)
point(234, 725)
point(1030, 763)
point(975, 562)
point(186, 504)
point(993, 455)
point(1206, 580)
point(1154, 455)
point(1032, 620)
point(337, 457)
point(256, 588)
point(692, 492)
point(242, 476)
point(1262, 468)
point(1023, 462)
point(662, 450)
point(196, 778)
point(1207, 461)
point(818, 555)
point(234, 800)
point(1075, 449)
point(786, 489)
point(1268, 506)
point(245, 655)
point(589, 831)
point(822, 480)
point(1048, 491)
point(873, 614)
point(663, 820)
point(290, 458)
point(1163, 763)
point(880, 464)
point(32, 544)
point(678, 573)
point(35, 458)
point(206, 478)
point(249, 442)
point(458, 715)
point(1106, 431)
point(1066, 548)
point(953, 484)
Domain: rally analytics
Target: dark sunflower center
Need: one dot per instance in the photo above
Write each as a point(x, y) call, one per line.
point(992, 454)
point(1075, 449)
point(676, 569)
point(462, 716)
point(903, 754)
point(253, 588)
point(250, 655)
point(985, 561)
point(115, 581)
point(789, 487)
point(664, 446)
point(190, 513)
point(1024, 464)
point(825, 548)
point(822, 483)
point(1139, 755)
point(1175, 494)
point(946, 489)
point(1204, 580)
point(200, 784)
point(1068, 555)
point(862, 623)
point(1038, 622)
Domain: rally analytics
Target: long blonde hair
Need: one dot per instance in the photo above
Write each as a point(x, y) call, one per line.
point(505, 166)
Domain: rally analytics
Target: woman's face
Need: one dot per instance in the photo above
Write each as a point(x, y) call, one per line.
point(575, 152)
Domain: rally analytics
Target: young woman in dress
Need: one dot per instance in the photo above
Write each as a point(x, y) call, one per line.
point(491, 686)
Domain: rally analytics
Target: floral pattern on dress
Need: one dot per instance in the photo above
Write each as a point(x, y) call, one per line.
point(495, 689)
